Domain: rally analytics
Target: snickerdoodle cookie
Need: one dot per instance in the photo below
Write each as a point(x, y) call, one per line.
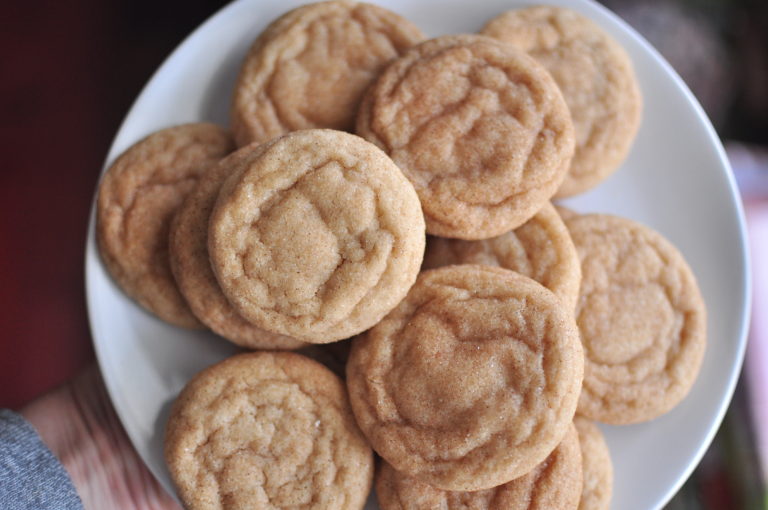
point(267, 430)
point(138, 196)
point(565, 212)
point(541, 248)
point(597, 466)
point(471, 381)
point(318, 236)
point(596, 77)
point(310, 67)
point(641, 317)
point(553, 484)
point(188, 250)
point(479, 127)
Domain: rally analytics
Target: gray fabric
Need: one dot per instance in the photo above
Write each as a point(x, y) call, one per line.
point(31, 477)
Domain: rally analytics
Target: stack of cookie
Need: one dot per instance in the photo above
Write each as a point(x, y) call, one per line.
point(480, 354)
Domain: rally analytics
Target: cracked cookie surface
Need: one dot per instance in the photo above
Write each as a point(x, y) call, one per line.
point(188, 250)
point(597, 466)
point(471, 381)
point(138, 196)
point(267, 430)
point(541, 249)
point(310, 67)
point(553, 484)
point(596, 78)
point(479, 128)
point(641, 317)
point(318, 237)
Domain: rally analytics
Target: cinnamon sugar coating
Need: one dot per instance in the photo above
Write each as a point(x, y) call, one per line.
point(596, 78)
point(138, 196)
point(641, 317)
point(480, 129)
point(317, 237)
point(471, 381)
point(310, 67)
point(553, 484)
point(267, 430)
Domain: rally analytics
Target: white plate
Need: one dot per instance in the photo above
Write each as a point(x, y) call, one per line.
point(676, 180)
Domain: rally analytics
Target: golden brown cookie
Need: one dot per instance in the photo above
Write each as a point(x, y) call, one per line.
point(597, 80)
point(267, 430)
point(480, 128)
point(138, 196)
point(553, 484)
point(317, 237)
point(597, 466)
point(471, 381)
point(641, 317)
point(541, 249)
point(310, 67)
point(188, 250)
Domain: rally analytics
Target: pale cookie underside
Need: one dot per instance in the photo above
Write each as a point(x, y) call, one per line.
point(471, 381)
point(138, 197)
point(541, 249)
point(565, 212)
point(553, 484)
point(480, 129)
point(317, 238)
point(596, 78)
point(333, 355)
point(597, 466)
point(267, 430)
point(641, 317)
point(192, 269)
point(310, 68)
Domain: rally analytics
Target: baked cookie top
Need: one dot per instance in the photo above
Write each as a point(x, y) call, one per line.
point(310, 67)
point(596, 78)
point(138, 196)
point(642, 320)
point(553, 484)
point(317, 236)
point(471, 381)
point(597, 466)
point(188, 250)
point(480, 129)
point(267, 430)
point(541, 248)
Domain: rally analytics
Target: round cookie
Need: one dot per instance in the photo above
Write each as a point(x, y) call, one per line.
point(317, 237)
point(138, 196)
point(641, 317)
point(553, 484)
point(541, 249)
point(267, 430)
point(310, 67)
point(188, 250)
point(479, 128)
point(596, 78)
point(471, 381)
point(597, 466)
